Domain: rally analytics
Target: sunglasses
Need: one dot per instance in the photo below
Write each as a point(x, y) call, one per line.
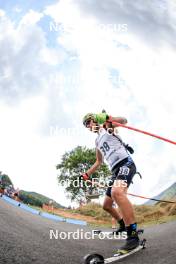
point(87, 122)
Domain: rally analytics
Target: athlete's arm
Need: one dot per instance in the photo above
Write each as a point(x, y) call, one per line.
point(98, 162)
point(103, 118)
point(121, 120)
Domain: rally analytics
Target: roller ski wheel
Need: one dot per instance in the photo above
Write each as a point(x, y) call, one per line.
point(94, 259)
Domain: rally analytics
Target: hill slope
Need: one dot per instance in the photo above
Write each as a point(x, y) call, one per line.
point(37, 199)
point(168, 194)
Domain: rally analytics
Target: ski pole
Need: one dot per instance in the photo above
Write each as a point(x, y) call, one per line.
point(153, 199)
point(144, 132)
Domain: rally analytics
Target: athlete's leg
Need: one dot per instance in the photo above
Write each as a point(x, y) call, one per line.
point(113, 223)
point(107, 206)
point(119, 194)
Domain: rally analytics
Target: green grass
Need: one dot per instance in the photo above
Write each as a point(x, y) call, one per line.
point(145, 214)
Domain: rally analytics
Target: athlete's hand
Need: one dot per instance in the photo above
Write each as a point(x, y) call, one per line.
point(108, 123)
point(109, 119)
point(85, 176)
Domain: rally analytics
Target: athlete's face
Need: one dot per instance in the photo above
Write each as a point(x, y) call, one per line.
point(92, 126)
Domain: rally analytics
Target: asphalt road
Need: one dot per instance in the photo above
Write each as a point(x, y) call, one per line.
point(25, 239)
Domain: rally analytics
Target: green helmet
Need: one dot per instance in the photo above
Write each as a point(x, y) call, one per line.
point(87, 118)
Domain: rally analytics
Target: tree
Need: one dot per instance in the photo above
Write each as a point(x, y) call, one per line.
point(73, 165)
point(37, 199)
point(28, 198)
point(5, 181)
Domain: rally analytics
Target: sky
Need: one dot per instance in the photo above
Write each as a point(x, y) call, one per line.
point(62, 59)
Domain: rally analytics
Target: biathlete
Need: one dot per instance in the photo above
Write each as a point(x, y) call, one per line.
point(110, 147)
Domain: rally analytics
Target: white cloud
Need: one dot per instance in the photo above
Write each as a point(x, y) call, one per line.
point(147, 66)
point(31, 18)
point(17, 9)
point(150, 21)
point(2, 13)
point(52, 56)
point(19, 51)
point(45, 95)
point(27, 78)
point(29, 159)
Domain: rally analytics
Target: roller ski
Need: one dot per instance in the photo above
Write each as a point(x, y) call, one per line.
point(133, 245)
point(99, 259)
